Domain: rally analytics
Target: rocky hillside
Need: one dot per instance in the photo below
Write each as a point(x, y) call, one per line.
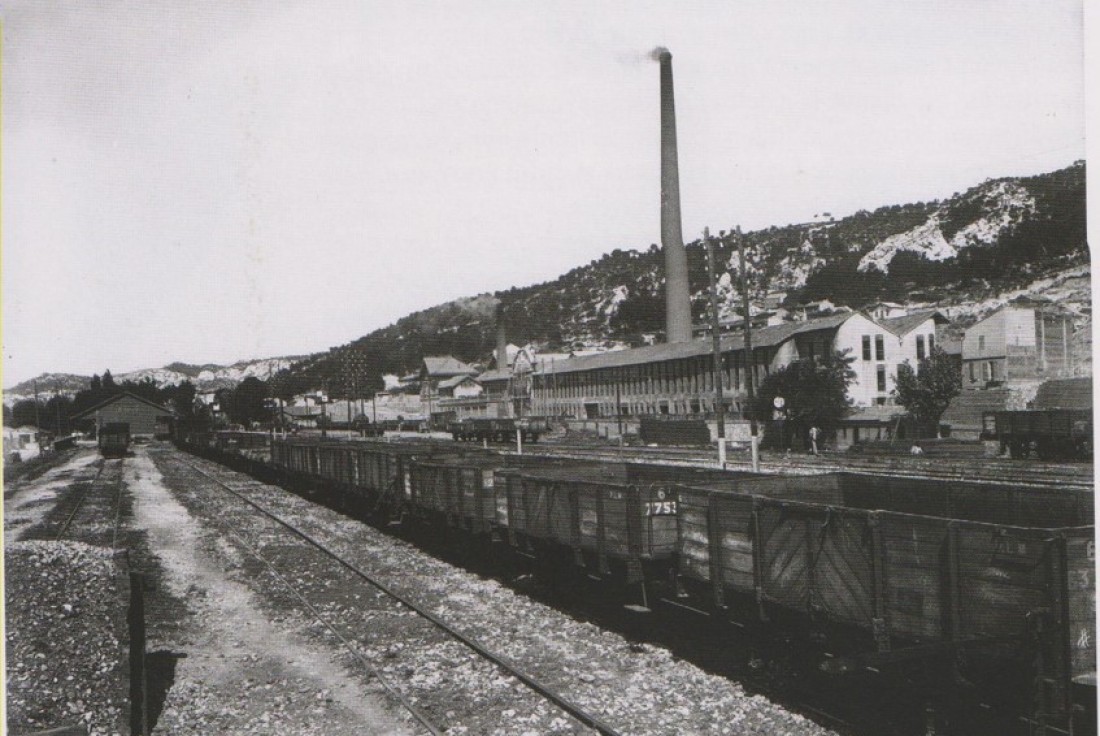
point(969, 253)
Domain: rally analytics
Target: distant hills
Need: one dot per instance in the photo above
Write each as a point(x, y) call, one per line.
point(966, 254)
point(207, 377)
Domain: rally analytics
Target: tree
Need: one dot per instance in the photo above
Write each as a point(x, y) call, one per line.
point(25, 412)
point(926, 392)
point(108, 381)
point(815, 393)
point(246, 403)
point(182, 398)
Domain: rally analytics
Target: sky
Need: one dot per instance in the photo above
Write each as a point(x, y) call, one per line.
point(209, 181)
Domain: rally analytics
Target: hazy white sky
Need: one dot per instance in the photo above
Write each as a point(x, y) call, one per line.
point(209, 181)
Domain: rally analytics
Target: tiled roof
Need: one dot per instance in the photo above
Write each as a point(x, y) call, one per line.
point(874, 413)
point(1066, 393)
point(901, 326)
point(120, 395)
point(763, 337)
point(494, 375)
point(447, 365)
point(452, 382)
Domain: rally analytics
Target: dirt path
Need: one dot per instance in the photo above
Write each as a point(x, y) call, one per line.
point(236, 672)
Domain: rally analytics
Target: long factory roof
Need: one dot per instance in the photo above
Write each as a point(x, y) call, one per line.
point(762, 337)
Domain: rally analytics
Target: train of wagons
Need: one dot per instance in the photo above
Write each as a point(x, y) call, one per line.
point(974, 582)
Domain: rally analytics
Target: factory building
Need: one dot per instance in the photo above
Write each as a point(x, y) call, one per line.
point(678, 378)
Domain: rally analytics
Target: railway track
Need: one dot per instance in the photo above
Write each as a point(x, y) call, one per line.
point(809, 702)
point(348, 640)
point(1072, 475)
point(848, 719)
point(84, 510)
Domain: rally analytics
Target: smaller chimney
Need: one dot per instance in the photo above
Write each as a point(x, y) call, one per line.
point(502, 342)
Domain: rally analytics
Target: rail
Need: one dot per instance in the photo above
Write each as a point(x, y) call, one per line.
point(532, 683)
point(85, 493)
point(1075, 476)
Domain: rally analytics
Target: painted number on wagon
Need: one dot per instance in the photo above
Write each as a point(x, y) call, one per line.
point(661, 508)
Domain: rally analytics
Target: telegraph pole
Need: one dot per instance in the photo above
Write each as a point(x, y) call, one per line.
point(717, 347)
point(750, 363)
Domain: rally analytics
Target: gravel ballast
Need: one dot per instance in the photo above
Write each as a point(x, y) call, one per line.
point(66, 630)
point(636, 688)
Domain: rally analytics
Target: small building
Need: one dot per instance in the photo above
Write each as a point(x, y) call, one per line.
point(146, 418)
point(885, 310)
point(1019, 343)
point(439, 375)
point(21, 440)
point(459, 387)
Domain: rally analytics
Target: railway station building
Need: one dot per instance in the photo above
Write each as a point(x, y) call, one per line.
point(146, 418)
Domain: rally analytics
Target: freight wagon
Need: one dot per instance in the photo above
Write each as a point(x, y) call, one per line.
point(365, 474)
point(1051, 433)
point(498, 429)
point(981, 579)
point(973, 582)
point(616, 518)
point(114, 439)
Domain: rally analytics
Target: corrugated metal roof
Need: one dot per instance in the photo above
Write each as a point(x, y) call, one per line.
point(763, 337)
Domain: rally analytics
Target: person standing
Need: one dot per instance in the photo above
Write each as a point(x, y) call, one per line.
point(815, 433)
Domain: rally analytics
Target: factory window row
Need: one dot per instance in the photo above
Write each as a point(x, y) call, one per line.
point(687, 376)
point(605, 409)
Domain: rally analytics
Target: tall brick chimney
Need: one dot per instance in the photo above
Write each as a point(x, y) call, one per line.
point(677, 293)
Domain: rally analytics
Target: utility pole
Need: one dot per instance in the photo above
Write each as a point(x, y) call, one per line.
point(57, 405)
point(750, 363)
point(716, 343)
point(37, 421)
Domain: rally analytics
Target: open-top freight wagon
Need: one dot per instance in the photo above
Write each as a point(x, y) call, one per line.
point(501, 429)
point(613, 518)
point(993, 582)
point(968, 581)
point(365, 474)
point(1052, 433)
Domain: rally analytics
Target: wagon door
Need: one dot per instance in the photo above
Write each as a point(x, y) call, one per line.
point(816, 559)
